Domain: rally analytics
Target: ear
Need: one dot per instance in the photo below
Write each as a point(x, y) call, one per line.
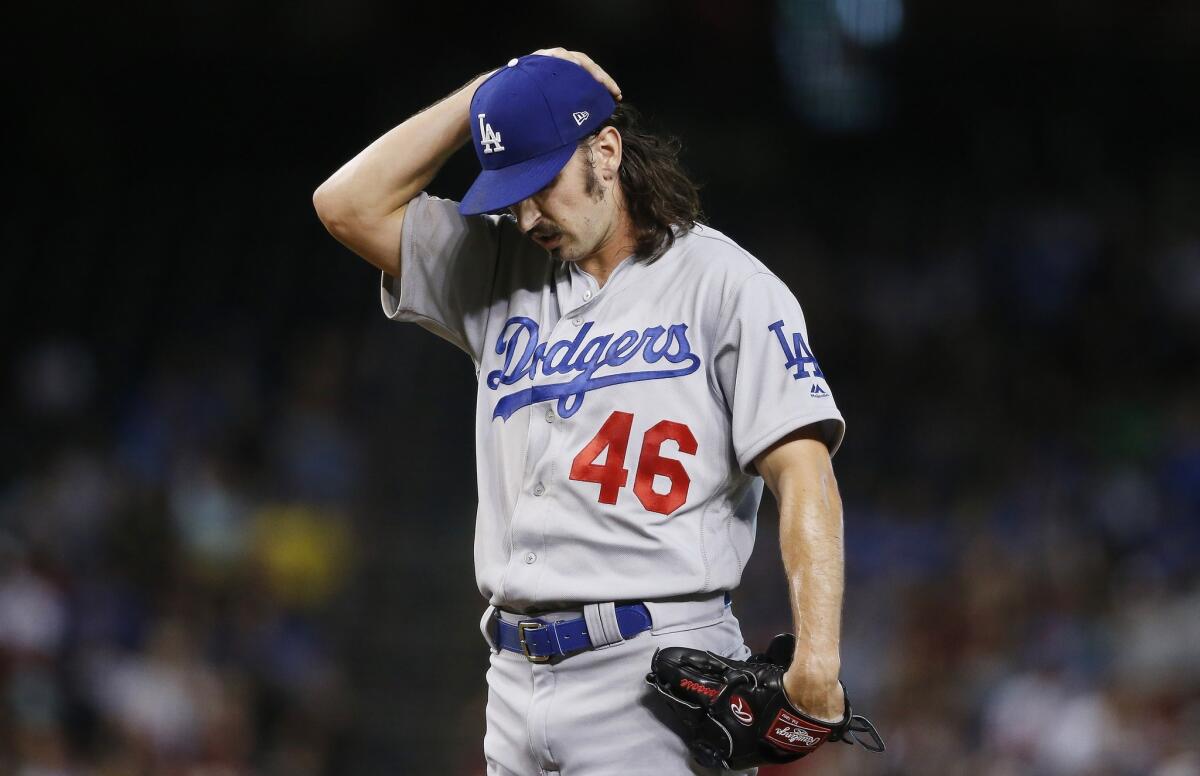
point(606, 152)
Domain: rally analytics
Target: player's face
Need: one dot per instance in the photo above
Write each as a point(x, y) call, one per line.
point(573, 216)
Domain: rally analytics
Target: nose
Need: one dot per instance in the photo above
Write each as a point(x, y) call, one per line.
point(527, 214)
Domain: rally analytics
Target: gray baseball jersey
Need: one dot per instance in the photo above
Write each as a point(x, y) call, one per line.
point(616, 426)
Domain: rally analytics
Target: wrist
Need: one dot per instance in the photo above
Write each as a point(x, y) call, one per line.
point(819, 695)
point(816, 668)
point(479, 79)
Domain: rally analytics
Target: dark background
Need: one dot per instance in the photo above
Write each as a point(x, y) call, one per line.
point(236, 502)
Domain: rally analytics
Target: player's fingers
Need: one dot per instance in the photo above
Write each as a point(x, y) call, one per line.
point(588, 64)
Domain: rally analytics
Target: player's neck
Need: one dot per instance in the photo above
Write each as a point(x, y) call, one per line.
point(619, 244)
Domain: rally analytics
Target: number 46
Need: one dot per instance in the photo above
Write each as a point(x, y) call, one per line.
point(612, 475)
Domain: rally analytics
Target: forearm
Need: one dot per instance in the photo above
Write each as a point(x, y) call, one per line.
point(385, 175)
point(800, 474)
point(810, 535)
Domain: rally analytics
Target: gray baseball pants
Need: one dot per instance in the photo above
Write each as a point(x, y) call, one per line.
point(592, 713)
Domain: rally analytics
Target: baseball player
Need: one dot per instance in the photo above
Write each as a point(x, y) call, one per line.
point(639, 377)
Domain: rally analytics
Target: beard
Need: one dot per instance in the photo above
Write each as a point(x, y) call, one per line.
point(563, 252)
point(569, 249)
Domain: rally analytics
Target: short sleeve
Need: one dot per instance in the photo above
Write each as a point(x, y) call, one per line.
point(766, 370)
point(447, 268)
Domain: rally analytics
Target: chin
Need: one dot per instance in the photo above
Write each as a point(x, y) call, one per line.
point(559, 254)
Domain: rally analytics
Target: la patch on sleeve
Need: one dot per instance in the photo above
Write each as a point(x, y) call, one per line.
point(799, 356)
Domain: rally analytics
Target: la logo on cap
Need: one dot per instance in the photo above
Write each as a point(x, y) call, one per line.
point(488, 138)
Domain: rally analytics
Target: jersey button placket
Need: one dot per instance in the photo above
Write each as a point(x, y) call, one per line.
point(527, 525)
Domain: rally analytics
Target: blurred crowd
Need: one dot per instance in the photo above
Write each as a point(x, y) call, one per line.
point(1024, 521)
point(166, 574)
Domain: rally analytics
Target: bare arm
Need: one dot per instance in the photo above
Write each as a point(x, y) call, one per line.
point(363, 203)
point(799, 473)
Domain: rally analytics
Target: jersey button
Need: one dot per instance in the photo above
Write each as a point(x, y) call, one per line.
point(539, 489)
point(530, 558)
point(587, 295)
point(577, 320)
point(549, 414)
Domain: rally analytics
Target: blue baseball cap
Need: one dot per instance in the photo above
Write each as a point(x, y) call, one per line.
point(526, 120)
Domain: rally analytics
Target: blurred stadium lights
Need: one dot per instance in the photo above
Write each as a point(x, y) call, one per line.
point(825, 50)
point(870, 22)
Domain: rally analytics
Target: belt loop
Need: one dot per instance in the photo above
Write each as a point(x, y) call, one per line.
point(487, 626)
point(602, 625)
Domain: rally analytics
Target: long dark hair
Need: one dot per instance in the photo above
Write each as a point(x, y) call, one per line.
point(658, 193)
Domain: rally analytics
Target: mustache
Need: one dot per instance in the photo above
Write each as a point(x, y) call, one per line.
point(545, 232)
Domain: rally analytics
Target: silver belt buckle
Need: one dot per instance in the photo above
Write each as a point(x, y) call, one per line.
point(528, 625)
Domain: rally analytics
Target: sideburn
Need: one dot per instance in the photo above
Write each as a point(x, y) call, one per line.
point(591, 183)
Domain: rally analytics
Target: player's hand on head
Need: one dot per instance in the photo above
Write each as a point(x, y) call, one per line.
point(584, 61)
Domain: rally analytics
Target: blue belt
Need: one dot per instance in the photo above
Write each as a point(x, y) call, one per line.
point(539, 640)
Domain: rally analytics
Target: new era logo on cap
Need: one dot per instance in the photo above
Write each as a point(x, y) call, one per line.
point(526, 120)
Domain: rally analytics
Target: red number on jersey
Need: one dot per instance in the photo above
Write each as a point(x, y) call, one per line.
point(610, 475)
point(651, 463)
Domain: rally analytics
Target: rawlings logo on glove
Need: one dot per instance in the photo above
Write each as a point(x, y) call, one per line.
point(741, 710)
point(736, 713)
point(788, 729)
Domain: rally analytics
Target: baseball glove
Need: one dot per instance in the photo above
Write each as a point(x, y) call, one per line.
point(736, 713)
